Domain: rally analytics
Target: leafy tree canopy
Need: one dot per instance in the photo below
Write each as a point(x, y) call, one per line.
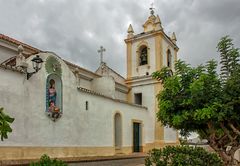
point(197, 99)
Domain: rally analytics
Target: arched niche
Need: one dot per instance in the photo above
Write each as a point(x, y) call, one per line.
point(54, 96)
point(117, 131)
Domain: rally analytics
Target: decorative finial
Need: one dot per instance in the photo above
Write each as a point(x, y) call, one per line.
point(130, 29)
point(151, 9)
point(20, 59)
point(101, 53)
point(158, 23)
point(158, 20)
point(76, 71)
point(20, 49)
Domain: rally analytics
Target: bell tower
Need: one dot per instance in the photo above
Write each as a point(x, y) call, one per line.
point(148, 52)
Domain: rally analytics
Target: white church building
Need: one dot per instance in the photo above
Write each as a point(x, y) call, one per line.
point(64, 110)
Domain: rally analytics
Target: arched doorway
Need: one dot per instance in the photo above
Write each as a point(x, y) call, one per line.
point(117, 131)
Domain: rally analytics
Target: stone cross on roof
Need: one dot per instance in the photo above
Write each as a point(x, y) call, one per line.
point(101, 53)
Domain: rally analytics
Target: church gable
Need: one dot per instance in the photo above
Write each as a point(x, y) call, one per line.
point(103, 69)
point(9, 48)
point(149, 25)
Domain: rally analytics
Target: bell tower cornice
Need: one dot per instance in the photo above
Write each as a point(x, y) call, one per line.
point(145, 35)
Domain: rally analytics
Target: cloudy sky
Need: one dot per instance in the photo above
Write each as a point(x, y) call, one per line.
point(75, 29)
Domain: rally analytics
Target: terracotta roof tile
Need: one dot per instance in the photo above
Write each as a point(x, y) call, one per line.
point(14, 41)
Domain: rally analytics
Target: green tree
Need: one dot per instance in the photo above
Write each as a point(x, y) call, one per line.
point(197, 99)
point(229, 57)
point(5, 121)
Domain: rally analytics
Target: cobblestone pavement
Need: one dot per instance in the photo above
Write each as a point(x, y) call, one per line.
point(121, 162)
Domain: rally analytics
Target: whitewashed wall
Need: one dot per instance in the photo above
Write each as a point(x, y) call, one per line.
point(85, 83)
point(104, 85)
point(6, 53)
point(120, 95)
point(25, 101)
point(148, 100)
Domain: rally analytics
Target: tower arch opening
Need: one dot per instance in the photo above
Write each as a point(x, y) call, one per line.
point(169, 59)
point(143, 55)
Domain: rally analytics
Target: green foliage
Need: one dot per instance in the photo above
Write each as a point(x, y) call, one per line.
point(194, 96)
point(183, 141)
point(189, 97)
point(197, 99)
point(182, 156)
point(229, 57)
point(46, 161)
point(5, 121)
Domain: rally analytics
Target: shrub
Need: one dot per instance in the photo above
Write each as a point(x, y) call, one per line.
point(5, 121)
point(46, 161)
point(182, 156)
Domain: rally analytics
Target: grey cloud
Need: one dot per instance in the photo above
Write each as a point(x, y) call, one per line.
point(200, 24)
point(75, 29)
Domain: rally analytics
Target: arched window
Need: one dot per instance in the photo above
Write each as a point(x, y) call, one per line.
point(169, 59)
point(143, 58)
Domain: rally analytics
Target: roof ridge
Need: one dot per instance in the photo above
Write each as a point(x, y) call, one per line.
point(102, 95)
point(112, 70)
point(116, 72)
point(75, 65)
point(17, 42)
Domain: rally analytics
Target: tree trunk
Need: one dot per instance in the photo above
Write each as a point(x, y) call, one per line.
point(227, 157)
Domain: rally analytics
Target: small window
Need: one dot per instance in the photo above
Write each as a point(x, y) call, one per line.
point(138, 98)
point(169, 59)
point(86, 105)
point(143, 58)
